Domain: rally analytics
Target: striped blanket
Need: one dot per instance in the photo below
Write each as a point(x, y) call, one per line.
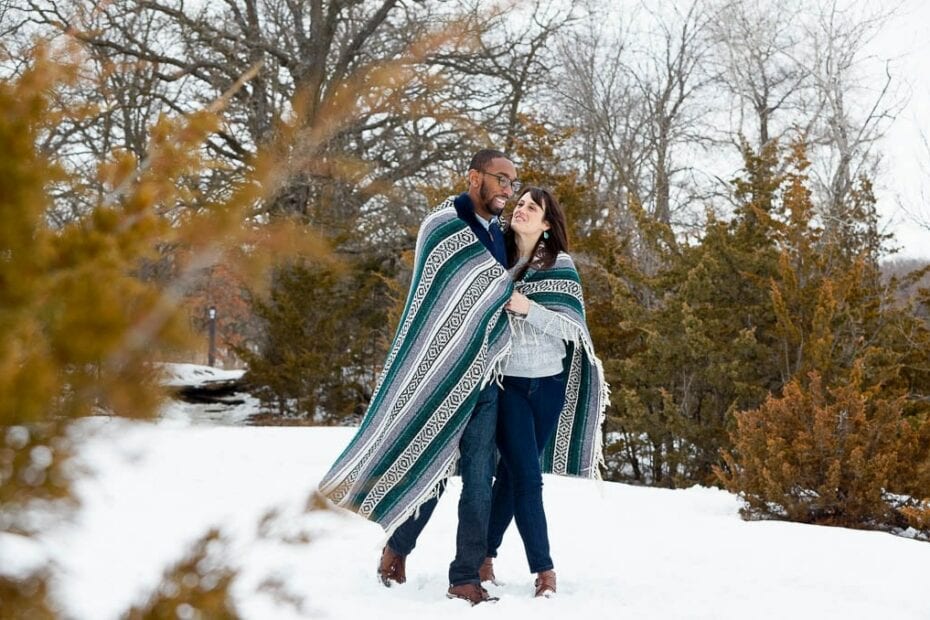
point(451, 340)
point(576, 447)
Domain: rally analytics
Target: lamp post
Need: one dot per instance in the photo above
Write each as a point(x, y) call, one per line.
point(211, 313)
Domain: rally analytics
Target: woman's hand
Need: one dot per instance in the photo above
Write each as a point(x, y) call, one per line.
point(518, 303)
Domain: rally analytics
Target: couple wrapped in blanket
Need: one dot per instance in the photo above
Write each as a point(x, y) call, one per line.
point(492, 355)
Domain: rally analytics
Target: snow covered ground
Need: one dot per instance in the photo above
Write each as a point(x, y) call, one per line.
point(214, 414)
point(622, 551)
point(176, 375)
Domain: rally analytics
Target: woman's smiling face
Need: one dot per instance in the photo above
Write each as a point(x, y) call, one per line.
point(529, 217)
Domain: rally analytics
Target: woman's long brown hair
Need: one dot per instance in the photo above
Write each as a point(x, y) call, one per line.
point(547, 249)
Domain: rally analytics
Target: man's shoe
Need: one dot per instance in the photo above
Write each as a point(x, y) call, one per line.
point(392, 567)
point(545, 583)
point(471, 592)
point(486, 572)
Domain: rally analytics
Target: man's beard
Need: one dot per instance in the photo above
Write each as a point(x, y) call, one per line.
point(488, 201)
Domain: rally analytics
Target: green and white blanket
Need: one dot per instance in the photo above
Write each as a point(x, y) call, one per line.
point(451, 340)
point(576, 446)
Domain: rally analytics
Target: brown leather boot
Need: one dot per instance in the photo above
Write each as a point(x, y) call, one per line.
point(486, 572)
point(392, 567)
point(545, 583)
point(471, 592)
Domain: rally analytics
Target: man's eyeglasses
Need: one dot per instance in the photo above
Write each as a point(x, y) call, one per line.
point(504, 182)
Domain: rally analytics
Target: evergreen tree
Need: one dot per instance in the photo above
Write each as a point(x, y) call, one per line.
point(82, 327)
point(706, 323)
point(847, 442)
point(323, 342)
point(79, 329)
point(762, 300)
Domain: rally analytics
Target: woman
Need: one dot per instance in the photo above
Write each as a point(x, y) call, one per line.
point(551, 350)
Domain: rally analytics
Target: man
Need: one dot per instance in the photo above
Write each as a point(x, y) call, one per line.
point(435, 405)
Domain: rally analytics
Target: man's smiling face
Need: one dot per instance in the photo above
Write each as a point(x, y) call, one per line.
point(495, 189)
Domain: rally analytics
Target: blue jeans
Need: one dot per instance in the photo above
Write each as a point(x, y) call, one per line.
point(528, 414)
point(476, 466)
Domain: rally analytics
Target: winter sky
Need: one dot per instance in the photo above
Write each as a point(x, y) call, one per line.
point(906, 186)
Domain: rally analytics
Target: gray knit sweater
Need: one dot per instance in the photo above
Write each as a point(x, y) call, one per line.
point(538, 345)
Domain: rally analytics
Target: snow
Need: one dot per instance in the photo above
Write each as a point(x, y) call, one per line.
point(194, 375)
point(632, 552)
point(20, 556)
point(233, 410)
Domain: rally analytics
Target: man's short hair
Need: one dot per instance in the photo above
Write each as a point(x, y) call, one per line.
point(484, 157)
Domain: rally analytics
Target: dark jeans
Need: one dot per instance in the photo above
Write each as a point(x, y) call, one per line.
point(527, 416)
point(476, 466)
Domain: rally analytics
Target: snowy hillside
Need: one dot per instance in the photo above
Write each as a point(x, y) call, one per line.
point(620, 551)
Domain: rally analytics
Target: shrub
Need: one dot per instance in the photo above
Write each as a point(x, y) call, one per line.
point(841, 456)
point(198, 586)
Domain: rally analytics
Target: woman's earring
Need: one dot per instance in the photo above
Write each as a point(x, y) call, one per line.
point(545, 234)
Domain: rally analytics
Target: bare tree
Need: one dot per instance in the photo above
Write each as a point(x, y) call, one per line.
point(915, 204)
point(633, 94)
point(758, 47)
point(15, 38)
point(795, 71)
point(854, 115)
point(670, 81)
point(316, 55)
point(468, 73)
point(601, 101)
point(111, 112)
point(512, 61)
point(8, 24)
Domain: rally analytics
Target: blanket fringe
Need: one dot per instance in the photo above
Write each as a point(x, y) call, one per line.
point(434, 491)
point(600, 461)
point(495, 371)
